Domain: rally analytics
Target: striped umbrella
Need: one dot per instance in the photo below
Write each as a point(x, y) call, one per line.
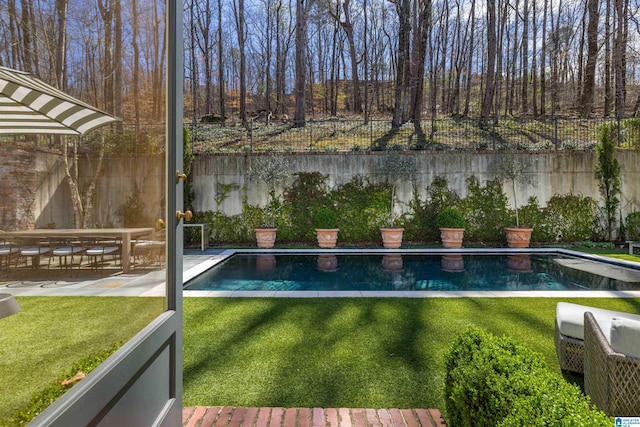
point(30, 106)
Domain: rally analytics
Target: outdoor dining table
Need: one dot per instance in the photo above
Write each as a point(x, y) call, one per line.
point(124, 234)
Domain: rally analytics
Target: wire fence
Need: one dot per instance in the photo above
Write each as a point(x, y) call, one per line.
point(343, 135)
point(351, 135)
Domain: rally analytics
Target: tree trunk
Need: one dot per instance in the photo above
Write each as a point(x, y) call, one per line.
point(117, 64)
point(136, 64)
point(470, 60)
point(238, 12)
point(534, 63)
point(543, 61)
point(525, 57)
point(61, 45)
point(608, 98)
point(619, 55)
point(402, 62)
point(487, 99)
point(222, 86)
point(592, 57)
point(301, 64)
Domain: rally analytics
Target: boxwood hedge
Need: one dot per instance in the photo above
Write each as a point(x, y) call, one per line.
point(494, 382)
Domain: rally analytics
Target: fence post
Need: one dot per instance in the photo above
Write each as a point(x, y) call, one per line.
point(251, 136)
point(310, 134)
point(619, 119)
point(555, 132)
point(494, 122)
point(370, 133)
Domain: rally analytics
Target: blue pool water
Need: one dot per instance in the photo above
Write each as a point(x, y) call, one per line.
point(414, 272)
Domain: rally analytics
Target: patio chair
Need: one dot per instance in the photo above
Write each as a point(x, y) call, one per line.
point(612, 365)
point(569, 332)
point(63, 248)
point(35, 251)
point(8, 250)
point(98, 247)
point(150, 249)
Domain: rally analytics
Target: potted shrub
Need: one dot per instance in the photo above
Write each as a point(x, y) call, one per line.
point(451, 224)
point(395, 168)
point(271, 170)
point(326, 223)
point(518, 236)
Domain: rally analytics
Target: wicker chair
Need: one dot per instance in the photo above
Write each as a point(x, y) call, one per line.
point(570, 351)
point(611, 379)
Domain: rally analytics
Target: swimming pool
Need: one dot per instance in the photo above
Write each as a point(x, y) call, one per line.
point(411, 271)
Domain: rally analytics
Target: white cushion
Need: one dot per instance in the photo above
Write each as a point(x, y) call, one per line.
point(625, 336)
point(570, 319)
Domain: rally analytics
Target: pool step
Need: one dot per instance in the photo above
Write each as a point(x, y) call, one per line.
point(231, 416)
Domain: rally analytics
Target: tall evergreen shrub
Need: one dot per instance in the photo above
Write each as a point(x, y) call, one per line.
point(608, 174)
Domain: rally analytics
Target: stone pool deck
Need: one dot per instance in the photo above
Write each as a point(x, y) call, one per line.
point(230, 416)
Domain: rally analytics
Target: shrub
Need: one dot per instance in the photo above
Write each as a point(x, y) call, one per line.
point(307, 194)
point(608, 175)
point(421, 222)
point(485, 210)
point(132, 211)
point(492, 381)
point(362, 208)
point(450, 218)
point(632, 225)
point(325, 218)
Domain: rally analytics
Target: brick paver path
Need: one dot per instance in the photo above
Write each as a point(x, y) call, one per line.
point(230, 416)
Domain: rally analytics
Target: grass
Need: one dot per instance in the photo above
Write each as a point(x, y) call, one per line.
point(280, 352)
point(375, 353)
point(50, 334)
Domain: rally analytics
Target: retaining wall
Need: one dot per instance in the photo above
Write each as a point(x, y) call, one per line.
point(550, 173)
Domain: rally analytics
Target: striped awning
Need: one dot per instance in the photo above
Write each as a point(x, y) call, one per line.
point(30, 106)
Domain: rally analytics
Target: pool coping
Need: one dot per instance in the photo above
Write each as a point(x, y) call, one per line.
point(224, 255)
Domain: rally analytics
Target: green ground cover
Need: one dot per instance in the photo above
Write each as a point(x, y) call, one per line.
point(347, 352)
point(50, 334)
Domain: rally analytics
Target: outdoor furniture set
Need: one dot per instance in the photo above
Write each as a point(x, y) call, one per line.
point(603, 345)
point(118, 245)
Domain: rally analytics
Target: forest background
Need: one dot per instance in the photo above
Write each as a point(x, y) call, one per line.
point(403, 60)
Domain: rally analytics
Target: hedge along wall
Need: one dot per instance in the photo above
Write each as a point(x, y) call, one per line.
point(551, 173)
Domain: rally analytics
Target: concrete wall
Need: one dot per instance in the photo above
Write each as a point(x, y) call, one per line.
point(550, 173)
point(32, 188)
point(34, 193)
point(117, 182)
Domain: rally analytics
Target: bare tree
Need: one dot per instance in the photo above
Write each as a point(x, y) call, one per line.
point(222, 86)
point(487, 99)
point(619, 54)
point(301, 63)
point(238, 12)
point(403, 10)
point(592, 56)
point(347, 27)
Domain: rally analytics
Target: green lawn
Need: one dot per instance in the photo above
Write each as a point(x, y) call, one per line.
point(330, 352)
point(50, 334)
point(347, 352)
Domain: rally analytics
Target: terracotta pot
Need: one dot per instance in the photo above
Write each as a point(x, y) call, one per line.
point(327, 263)
point(452, 263)
point(518, 237)
point(327, 237)
point(391, 237)
point(266, 237)
point(392, 262)
point(452, 237)
point(520, 263)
